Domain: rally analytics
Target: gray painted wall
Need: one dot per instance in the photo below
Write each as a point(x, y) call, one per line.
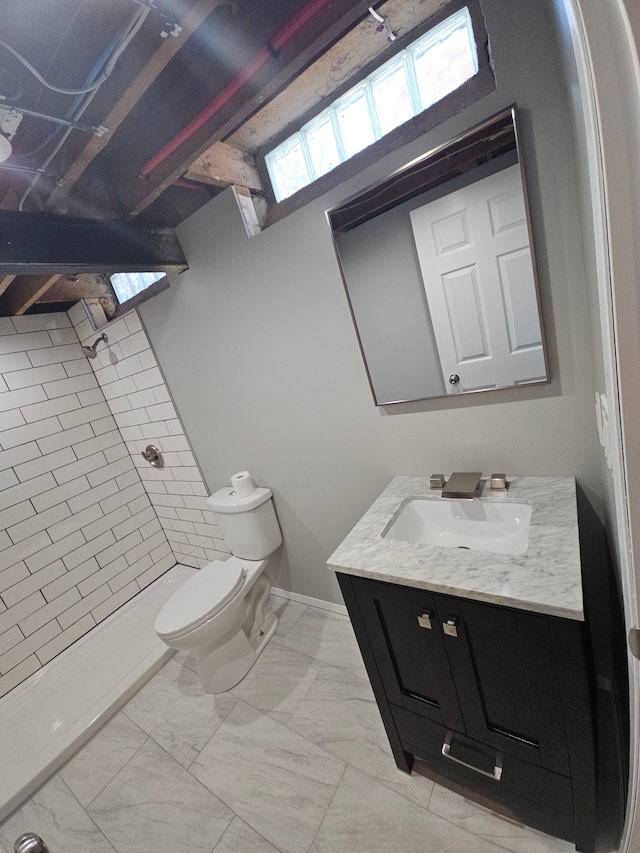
point(257, 344)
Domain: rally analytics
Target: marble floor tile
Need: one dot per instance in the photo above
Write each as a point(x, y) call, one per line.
point(294, 759)
point(240, 838)
point(327, 637)
point(154, 804)
point(277, 682)
point(176, 712)
point(366, 817)
point(55, 815)
point(340, 714)
point(288, 613)
point(278, 782)
point(454, 807)
point(87, 773)
point(186, 658)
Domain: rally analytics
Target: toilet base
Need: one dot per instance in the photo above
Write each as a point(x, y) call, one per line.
point(225, 666)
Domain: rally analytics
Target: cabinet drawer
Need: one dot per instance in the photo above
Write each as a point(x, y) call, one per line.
point(528, 781)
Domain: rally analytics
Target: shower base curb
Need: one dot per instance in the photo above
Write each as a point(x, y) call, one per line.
point(57, 709)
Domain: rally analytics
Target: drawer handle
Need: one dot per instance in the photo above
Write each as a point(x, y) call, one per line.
point(424, 621)
point(450, 627)
point(497, 770)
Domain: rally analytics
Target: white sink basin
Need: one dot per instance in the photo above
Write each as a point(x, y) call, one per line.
point(502, 528)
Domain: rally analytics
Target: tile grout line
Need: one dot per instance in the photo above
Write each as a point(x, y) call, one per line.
point(73, 796)
point(324, 817)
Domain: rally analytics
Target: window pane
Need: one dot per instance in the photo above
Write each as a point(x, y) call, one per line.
point(322, 147)
point(435, 65)
point(442, 67)
point(288, 169)
point(355, 124)
point(128, 284)
point(391, 97)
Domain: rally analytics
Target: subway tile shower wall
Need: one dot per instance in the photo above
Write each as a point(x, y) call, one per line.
point(139, 400)
point(78, 534)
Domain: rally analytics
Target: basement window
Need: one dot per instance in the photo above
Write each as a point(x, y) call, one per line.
point(129, 284)
point(134, 288)
point(430, 68)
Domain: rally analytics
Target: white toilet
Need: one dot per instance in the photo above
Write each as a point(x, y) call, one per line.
point(223, 612)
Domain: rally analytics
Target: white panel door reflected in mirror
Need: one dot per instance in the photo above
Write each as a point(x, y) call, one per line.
point(468, 310)
point(474, 255)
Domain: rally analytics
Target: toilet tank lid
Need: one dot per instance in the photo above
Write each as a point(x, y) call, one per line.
point(225, 501)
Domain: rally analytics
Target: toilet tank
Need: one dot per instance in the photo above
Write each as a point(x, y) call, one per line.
point(251, 529)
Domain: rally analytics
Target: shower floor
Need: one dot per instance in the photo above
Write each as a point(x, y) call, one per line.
point(292, 760)
point(47, 717)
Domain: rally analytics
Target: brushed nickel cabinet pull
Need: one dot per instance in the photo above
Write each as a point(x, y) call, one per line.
point(496, 775)
point(450, 626)
point(424, 621)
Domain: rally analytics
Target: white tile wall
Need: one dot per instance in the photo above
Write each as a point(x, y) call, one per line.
point(140, 403)
point(78, 534)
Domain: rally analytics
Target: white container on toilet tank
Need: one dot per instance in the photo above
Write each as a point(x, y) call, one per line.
point(223, 613)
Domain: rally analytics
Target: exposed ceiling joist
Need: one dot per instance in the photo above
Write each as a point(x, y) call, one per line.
point(23, 292)
point(332, 20)
point(223, 165)
point(67, 289)
point(334, 69)
point(183, 114)
point(158, 61)
point(5, 281)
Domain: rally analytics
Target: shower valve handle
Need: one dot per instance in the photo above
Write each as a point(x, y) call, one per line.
point(153, 456)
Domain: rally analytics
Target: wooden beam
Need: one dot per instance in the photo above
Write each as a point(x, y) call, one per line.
point(166, 51)
point(223, 165)
point(80, 287)
point(23, 292)
point(331, 71)
point(5, 281)
point(336, 18)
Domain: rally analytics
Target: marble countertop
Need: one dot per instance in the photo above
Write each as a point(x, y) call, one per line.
point(545, 579)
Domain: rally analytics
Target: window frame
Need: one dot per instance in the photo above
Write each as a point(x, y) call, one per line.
point(148, 293)
point(477, 87)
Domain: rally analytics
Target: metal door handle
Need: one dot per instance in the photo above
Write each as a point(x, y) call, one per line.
point(454, 379)
point(496, 775)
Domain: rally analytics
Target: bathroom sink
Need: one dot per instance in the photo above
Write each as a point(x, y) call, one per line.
point(475, 525)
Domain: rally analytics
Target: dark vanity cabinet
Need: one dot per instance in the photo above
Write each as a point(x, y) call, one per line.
point(494, 698)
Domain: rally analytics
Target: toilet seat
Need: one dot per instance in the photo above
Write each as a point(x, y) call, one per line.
point(201, 597)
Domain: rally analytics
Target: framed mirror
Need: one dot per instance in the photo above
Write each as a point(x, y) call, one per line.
point(439, 270)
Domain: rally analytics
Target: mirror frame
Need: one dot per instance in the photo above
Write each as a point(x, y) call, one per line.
point(487, 140)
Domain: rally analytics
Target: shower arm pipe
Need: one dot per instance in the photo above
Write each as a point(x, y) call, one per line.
point(91, 349)
point(281, 38)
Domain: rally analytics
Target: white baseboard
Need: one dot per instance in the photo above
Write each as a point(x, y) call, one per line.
point(314, 602)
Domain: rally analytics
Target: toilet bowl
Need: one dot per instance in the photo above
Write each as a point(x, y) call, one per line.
point(223, 613)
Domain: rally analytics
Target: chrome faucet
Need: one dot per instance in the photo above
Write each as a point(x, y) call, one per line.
point(462, 484)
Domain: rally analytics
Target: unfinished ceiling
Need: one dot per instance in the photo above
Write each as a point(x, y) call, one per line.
point(165, 102)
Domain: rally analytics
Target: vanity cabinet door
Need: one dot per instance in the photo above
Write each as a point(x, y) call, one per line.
point(406, 638)
point(504, 667)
